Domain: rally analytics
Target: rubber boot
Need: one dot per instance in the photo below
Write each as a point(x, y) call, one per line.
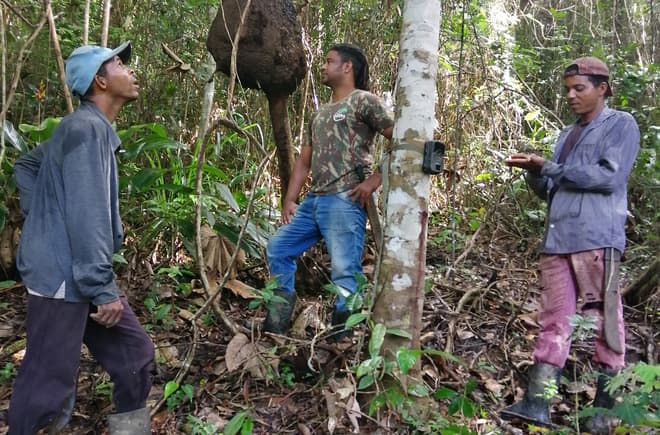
point(534, 407)
point(64, 416)
point(339, 318)
point(130, 423)
point(600, 423)
point(278, 319)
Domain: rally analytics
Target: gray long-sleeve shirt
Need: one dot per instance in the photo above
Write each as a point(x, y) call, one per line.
point(69, 193)
point(587, 193)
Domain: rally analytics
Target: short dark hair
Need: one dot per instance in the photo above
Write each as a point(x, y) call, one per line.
point(354, 54)
point(595, 80)
point(103, 71)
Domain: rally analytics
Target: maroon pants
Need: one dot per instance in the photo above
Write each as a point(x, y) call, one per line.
point(47, 376)
point(571, 283)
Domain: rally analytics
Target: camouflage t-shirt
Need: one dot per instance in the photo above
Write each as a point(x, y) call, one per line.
point(342, 135)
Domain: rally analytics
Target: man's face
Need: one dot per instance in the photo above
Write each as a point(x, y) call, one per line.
point(334, 69)
point(583, 97)
point(121, 81)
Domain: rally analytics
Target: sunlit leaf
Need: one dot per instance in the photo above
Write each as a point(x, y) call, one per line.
point(355, 319)
point(170, 388)
point(407, 358)
point(377, 338)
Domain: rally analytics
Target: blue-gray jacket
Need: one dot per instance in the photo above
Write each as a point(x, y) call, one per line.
point(69, 194)
point(587, 193)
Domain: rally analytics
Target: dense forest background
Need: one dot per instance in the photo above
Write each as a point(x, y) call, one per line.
point(499, 91)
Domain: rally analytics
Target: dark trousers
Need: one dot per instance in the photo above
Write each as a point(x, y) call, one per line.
point(47, 376)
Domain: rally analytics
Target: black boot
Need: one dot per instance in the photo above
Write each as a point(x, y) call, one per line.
point(601, 424)
point(339, 318)
point(534, 407)
point(278, 319)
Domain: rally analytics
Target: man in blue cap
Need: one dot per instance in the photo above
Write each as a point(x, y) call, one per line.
point(69, 195)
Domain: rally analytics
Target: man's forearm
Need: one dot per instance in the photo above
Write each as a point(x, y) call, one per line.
point(298, 178)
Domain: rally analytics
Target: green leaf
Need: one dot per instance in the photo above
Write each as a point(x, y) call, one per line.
point(247, 426)
point(649, 375)
point(628, 412)
point(146, 178)
point(355, 319)
point(377, 403)
point(399, 333)
point(7, 284)
point(470, 387)
point(407, 358)
point(118, 258)
point(363, 368)
point(377, 338)
point(41, 132)
point(366, 381)
point(170, 388)
point(189, 391)
point(418, 390)
point(445, 393)
point(227, 196)
point(235, 424)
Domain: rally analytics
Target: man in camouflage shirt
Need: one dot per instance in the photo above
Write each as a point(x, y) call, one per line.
point(339, 154)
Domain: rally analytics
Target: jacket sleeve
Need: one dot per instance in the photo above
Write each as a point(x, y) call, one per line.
point(86, 175)
point(26, 170)
point(612, 167)
point(539, 184)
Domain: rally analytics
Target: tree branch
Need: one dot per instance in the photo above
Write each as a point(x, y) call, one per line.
point(19, 65)
point(17, 13)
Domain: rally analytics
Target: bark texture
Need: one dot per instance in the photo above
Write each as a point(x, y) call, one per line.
point(401, 296)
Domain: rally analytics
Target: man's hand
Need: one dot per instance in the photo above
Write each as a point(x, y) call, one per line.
point(530, 162)
point(362, 192)
point(108, 314)
point(288, 210)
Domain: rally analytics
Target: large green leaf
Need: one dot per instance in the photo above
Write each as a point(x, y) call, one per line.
point(41, 132)
point(145, 178)
point(376, 340)
point(227, 196)
point(407, 358)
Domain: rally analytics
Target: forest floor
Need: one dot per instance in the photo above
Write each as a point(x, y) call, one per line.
point(483, 312)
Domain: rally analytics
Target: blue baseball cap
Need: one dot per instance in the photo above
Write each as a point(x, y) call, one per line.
point(84, 62)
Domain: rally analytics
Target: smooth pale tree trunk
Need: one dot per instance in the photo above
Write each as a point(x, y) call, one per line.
point(401, 277)
point(86, 23)
point(107, 6)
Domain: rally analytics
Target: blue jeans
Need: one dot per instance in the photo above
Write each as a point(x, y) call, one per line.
point(340, 222)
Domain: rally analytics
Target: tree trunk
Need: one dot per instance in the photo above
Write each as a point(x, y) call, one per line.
point(643, 287)
point(85, 37)
point(58, 55)
point(401, 289)
point(107, 5)
point(279, 117)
